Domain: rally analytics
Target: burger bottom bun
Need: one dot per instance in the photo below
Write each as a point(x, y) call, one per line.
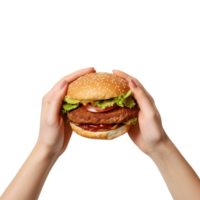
point(107, 135)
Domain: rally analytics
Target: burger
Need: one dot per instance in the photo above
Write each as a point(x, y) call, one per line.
point(100, 106)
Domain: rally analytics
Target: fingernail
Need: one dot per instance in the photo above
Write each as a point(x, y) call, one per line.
point(133, 84)
point(63, 84)
point(93, 67)
point(112, 69)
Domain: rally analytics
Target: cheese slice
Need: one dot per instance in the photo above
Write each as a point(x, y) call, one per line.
point(115, 126)
point(85, 104)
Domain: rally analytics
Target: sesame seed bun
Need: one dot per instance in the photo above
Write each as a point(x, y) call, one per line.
point(97, 86)
point(107, 135)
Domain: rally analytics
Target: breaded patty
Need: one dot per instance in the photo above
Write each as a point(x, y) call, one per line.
point(116, 115)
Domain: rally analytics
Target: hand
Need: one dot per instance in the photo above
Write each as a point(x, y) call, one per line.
point(54, 132)
point(148, 134)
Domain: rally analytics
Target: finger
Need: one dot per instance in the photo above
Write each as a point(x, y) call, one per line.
point(142, 99)
point(53, 112)
point(128, 78)
point(138, 82)
point(71, 76)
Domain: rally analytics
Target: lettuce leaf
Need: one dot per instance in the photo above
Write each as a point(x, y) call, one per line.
point(132, 121)
point(71, 101)
point(68, 107)
point(122, 100)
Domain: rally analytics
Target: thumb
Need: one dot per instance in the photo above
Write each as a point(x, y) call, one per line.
point(56, 101)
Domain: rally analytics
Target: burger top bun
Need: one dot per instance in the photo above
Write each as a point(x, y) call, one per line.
point(97, 86)
point(107, 135)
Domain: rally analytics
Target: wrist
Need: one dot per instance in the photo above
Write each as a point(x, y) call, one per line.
point(28, 182)
point(43, 153)
point(162, 150)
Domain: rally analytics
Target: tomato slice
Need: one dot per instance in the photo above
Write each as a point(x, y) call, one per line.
point(91, 108)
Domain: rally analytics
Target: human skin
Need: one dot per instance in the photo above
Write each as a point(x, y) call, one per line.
point(148, 134)
point(53, 139)
point(150, 137)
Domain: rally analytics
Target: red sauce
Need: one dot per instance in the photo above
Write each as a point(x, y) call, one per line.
point(95, 127)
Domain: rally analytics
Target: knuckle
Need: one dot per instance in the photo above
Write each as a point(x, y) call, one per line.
point(50, 121)
point(44, 99)
point(152, 115)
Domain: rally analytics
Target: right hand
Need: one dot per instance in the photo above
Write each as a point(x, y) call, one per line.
point(148, 134)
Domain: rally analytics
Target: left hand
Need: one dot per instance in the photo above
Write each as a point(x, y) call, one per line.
point(54, 132)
